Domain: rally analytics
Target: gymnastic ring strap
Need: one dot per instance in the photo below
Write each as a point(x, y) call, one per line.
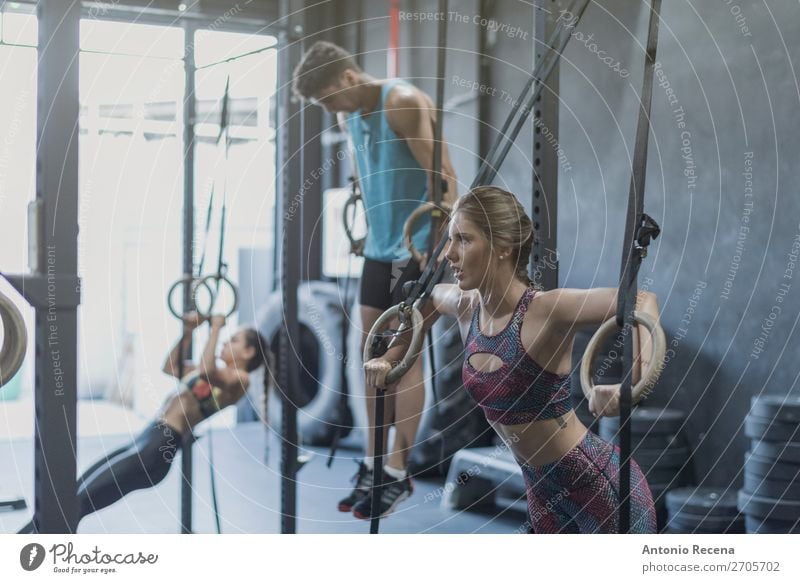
point(408, 227)
point(217, 278)
point(15, 340)
point(414, 347)
point(354, 199)
point(645, 385)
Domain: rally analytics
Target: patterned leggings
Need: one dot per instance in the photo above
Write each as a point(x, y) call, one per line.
point(580, 492)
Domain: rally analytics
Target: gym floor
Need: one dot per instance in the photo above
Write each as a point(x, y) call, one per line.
point(248, 492)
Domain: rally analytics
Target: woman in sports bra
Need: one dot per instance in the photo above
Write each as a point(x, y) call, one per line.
point(518, 346)
point(216, 382)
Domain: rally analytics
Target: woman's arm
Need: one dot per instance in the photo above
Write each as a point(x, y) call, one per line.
point(410, 113)
point(446, 299)
point(572, 308)
point(227, 379)
point(190, 321)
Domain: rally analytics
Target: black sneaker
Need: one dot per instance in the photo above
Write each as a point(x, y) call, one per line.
point(363, 482)
point(393, 492)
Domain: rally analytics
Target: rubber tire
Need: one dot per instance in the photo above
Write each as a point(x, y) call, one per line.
point(320, 315)
point(456, 421)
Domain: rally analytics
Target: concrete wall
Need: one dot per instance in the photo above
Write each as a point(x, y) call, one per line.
point(726, 104)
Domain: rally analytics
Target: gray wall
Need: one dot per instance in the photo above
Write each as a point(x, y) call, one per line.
point(739, 93)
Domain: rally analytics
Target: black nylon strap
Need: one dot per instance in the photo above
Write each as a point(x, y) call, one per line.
point(437, 177)
point(497, 153)
point(222, 136)
point(631, 260)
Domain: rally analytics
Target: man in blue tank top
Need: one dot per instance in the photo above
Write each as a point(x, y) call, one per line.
point(389, 124)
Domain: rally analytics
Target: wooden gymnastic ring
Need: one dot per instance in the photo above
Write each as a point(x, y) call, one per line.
point(15, 340)
point(645, 385)
point(408, 227)
point(185, 280)
point(206, 281)
point(414, 347)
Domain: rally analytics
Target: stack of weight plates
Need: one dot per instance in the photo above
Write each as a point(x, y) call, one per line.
point(770, 498)
point(703, 511)
point(660, 448)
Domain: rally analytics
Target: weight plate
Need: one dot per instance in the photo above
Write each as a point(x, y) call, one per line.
point(770, 469)
point(648, 421)
point(782, 452)
point(657, 458)
point(778, 489)
point(706, 524)
point(780, 407)
point(756, 525)
point(772, 508)
point(702, 501)
point(771, 430)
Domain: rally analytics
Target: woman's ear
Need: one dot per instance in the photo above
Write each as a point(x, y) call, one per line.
point(503, 252)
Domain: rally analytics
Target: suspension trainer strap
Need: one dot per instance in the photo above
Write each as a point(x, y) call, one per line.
point(556, 44)
point(497, 154)
point(223, 134)
point(438, 182)
point(638, 230)
point(438, 179)
point(213, 479)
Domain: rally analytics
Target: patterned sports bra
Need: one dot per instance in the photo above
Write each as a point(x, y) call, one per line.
point(520, 391)
point(205, 394)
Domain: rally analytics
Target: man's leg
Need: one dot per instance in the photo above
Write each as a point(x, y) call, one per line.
point(404, 403)
point(409, 394)
point(368, 317)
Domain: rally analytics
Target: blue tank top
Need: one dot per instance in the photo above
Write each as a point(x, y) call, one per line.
point(392, 183)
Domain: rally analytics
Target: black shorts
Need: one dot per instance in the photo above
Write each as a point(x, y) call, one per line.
point(382, 282)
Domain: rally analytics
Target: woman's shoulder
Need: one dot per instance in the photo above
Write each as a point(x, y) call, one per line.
point(566, 307)
point(453, 301)
point(550, 304)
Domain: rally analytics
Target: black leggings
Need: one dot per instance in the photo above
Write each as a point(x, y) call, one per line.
point(140, 464)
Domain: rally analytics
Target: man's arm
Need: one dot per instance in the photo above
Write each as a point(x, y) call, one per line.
point(410, 113)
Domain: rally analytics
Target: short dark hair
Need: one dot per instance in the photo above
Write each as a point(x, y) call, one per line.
point(321, 66)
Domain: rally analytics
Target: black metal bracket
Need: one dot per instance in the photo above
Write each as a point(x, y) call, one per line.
point(47, 291)
point(647, 230)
